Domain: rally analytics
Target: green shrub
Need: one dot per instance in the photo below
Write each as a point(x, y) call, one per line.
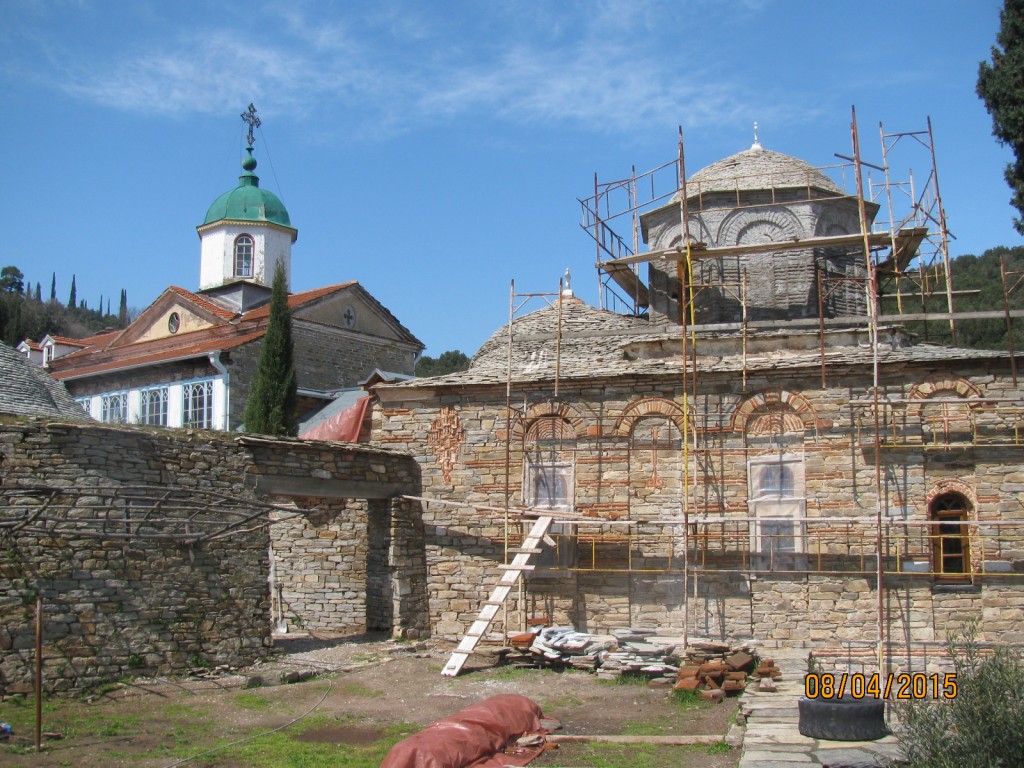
point(982, 726)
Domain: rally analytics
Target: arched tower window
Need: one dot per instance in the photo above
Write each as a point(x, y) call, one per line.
point(244, 247)
point(950, 543)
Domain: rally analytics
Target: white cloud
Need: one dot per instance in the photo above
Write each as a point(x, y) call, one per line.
point(608, 67)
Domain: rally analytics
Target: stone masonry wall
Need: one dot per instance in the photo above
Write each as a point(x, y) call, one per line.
point(620, 575)
point(115, 607)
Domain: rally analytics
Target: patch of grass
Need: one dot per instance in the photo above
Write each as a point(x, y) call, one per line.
point(282, 750)
point(687, 699)
point(626, 755)
point(718, 748)
point(357, 690)
point(511, 673)
point(251, 701)
point(648, 727)
point(561, 702)
point(627, 679)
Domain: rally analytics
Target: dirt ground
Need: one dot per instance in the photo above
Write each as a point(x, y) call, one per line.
point(363, 690)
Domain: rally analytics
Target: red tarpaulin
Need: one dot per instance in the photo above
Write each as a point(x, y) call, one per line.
point(476, 737)
point(344, 427)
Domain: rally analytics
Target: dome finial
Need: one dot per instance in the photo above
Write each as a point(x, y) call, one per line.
point(756, 144)
point(250, 118)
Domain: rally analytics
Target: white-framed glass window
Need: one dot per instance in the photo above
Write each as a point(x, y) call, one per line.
point(197, 404)
point(114, 408)
point(153, 406)
point(47, 354)
point(244, 247)
point(549, 484)
point(777, 504)
point(86, 403)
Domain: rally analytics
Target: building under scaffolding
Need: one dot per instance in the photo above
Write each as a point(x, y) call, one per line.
point(740, 443)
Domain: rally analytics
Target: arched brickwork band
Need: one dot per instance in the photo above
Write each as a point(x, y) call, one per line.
point(568, 411)
point(798, 406)
point(649, 406)
point(952, 384)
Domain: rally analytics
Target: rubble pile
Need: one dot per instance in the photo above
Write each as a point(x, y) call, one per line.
point(711, 667)
point(705, 666)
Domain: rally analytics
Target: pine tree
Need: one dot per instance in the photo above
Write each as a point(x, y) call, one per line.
point(53, 287)
point(73, 298)
point(1001, 87)
point(272, 402)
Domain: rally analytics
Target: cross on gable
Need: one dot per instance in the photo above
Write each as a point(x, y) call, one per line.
point(252, 120)
point(350, 316)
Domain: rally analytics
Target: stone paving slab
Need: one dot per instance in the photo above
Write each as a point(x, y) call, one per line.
point(772, 738)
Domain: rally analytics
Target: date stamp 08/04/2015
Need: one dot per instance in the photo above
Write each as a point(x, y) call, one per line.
point(919, 685)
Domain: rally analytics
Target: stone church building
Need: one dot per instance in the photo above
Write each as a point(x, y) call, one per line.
point(189, 358)
point(740, 476)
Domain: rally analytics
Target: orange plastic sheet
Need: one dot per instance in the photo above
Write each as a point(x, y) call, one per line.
point(481, 736)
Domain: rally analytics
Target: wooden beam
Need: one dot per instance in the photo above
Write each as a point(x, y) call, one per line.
point(875, 240)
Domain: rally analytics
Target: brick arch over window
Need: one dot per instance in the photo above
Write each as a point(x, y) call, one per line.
point(793, 408)
point(943, 487)
point(944, 422)
point(577, 417)
point(649, 406)
point(954, 385)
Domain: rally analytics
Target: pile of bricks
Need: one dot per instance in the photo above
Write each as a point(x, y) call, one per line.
point(717, 670)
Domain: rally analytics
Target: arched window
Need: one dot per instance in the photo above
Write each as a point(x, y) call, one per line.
point(950, 544)
point(244, 247)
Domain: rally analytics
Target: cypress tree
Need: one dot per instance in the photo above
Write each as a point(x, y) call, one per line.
point(122, 309)
point(53, 287)
point(272, 402)
point(39, 292)
point(1001, 87)
point(73, 298)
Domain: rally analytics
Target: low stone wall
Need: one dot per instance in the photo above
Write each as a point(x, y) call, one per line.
point(127, 606)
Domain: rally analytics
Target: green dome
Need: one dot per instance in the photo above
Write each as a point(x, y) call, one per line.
point(248, 202)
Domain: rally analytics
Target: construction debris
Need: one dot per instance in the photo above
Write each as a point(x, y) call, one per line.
point(638, 652)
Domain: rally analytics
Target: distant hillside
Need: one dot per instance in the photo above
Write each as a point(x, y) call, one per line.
point(24, 315)
point(972, 273)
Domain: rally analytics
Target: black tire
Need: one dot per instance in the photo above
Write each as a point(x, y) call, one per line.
point(845, 719)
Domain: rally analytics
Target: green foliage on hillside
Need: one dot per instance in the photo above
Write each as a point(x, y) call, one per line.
point(451, 361)
point(23, 315)
point(981, 276)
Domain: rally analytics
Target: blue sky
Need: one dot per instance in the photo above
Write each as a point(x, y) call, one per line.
point(434, 151)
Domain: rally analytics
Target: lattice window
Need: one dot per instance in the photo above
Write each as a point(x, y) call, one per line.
point(197, 405)
point(114, 408)
point(153, 406)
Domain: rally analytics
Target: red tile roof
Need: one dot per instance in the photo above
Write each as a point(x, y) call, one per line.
point(204, 302)
point(98, 356)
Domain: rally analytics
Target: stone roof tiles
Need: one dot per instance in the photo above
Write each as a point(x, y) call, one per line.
point(29, 391)
point(597, 344)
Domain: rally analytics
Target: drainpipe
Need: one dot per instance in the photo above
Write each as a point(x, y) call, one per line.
point(223, 371)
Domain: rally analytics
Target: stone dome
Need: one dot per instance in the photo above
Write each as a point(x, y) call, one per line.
point(758, 168)
point(248, 202)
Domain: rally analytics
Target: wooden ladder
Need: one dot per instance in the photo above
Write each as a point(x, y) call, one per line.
point(513, 571)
